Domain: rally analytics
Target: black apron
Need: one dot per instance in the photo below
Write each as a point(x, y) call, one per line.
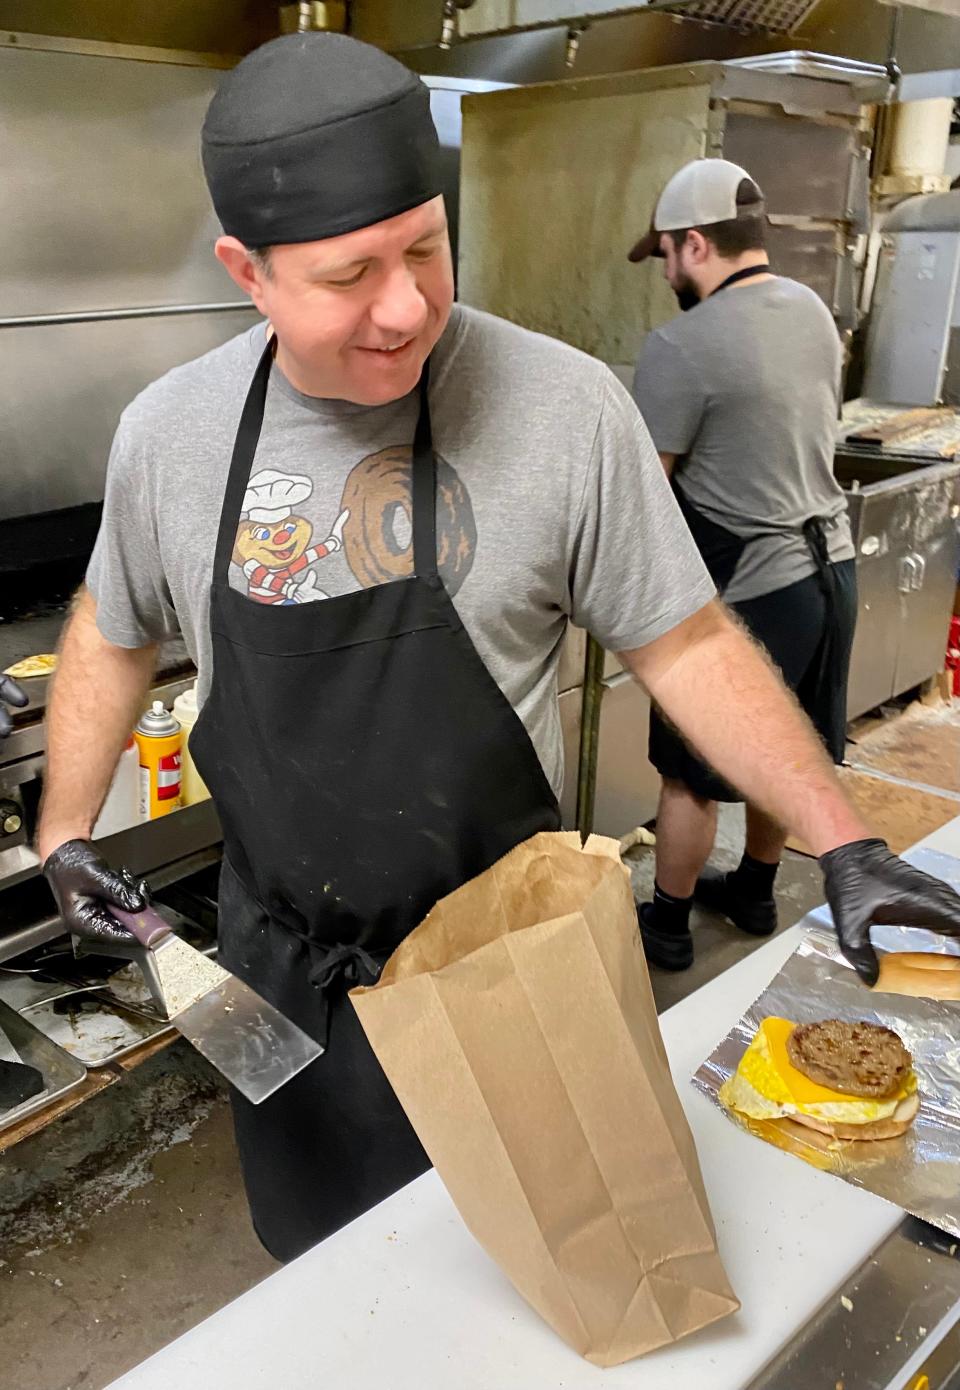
point(721, 549)
point(364, 763)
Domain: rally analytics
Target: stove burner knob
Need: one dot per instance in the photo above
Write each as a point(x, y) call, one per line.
point(11, 818)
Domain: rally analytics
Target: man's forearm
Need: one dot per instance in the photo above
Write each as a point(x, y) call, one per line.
point(730, 703)
point(97, 695)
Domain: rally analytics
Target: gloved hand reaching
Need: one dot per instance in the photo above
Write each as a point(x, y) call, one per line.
point(85, 885)
point(867, 885)
point(11, 693)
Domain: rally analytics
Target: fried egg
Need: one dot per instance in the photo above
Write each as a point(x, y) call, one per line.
point(767, 1086)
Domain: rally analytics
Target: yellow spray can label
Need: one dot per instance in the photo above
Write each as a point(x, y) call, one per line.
point(159, 738)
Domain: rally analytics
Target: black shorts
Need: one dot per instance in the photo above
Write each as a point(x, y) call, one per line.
point(790, 624)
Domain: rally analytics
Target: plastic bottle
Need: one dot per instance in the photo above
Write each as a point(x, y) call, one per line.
point(192, 788)
point(158, 737)
point(121, 808)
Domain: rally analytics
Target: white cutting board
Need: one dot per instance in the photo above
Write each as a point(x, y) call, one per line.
point(403, 1298)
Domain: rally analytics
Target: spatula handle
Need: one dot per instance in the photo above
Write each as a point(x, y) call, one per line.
point(147, 925)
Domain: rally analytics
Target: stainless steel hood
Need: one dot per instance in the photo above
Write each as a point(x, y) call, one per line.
point(483, 18)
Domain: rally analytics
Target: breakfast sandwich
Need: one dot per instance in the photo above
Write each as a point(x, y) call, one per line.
point(847, 1080)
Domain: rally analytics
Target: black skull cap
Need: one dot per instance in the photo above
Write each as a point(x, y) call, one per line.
point(314, 135)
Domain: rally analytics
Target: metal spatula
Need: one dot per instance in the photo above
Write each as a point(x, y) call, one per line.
point(249, 1042)
point(8, 1053)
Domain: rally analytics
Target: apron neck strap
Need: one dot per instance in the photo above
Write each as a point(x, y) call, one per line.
point(424, 486)
point(244, 450)
point(746, 273)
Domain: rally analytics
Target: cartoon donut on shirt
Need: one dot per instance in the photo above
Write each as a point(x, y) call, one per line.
point(273, 542)
point(378, 532)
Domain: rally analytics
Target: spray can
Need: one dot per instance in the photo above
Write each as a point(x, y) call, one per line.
point(158, 737)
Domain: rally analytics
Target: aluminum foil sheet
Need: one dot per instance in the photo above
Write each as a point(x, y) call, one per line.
point(921, 1170)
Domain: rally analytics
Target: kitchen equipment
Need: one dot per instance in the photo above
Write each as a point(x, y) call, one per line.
point(905, 533)
point(60, 1072)
point(913, 344)
point(248, 1041)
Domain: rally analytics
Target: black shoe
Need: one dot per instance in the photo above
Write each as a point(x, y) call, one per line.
point(718, 892)
point(671, 950)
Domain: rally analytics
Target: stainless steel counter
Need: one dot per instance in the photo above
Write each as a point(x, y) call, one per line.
point(895, 1319)
point(908, 551)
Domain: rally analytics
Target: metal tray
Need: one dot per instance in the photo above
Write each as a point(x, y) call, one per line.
point(95, 1035)
point(798, 62)
point(103, 1031)
point(60, 1071)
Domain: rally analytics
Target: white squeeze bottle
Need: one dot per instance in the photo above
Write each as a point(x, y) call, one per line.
point(185, 709)
point(122, 806)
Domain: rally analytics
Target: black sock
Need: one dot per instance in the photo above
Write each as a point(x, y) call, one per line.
point(670, 914)
point(754, 878)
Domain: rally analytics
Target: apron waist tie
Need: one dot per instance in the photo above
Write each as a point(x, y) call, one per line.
point(349, 965)
point(815, 535)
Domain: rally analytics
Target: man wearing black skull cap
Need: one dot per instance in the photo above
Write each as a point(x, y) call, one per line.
point(389, 729)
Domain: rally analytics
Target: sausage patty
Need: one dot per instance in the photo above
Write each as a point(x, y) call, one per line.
point(859, 1059)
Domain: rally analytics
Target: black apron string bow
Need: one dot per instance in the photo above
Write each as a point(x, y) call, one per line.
point(348, 965)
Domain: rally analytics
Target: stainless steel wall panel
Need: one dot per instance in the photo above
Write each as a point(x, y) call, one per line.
point(807, 254)
point(104, 203)
point(803, 167)
point(63, 391)
point(556, 185)
point(917, 283)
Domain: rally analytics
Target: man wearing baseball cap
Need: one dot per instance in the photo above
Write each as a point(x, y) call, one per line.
point(740, 394)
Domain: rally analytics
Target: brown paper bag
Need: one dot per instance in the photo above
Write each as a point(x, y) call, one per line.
point(518, 1028)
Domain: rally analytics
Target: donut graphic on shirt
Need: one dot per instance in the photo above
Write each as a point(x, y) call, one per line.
point(378, 532)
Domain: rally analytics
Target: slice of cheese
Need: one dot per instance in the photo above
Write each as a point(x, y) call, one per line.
point(801, 1088)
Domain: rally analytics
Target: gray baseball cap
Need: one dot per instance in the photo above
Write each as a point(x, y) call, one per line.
point(701, 193)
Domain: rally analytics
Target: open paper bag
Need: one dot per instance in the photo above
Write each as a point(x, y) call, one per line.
point(517, 1027)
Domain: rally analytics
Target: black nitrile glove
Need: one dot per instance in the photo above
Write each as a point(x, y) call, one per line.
point(868, 885)
point(11, 693)
point(84, 886)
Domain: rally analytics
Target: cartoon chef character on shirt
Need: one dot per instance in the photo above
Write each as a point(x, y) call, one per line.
point(273, 542)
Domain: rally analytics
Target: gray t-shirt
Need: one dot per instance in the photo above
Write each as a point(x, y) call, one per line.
point(551, 506)
point(744, 389)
